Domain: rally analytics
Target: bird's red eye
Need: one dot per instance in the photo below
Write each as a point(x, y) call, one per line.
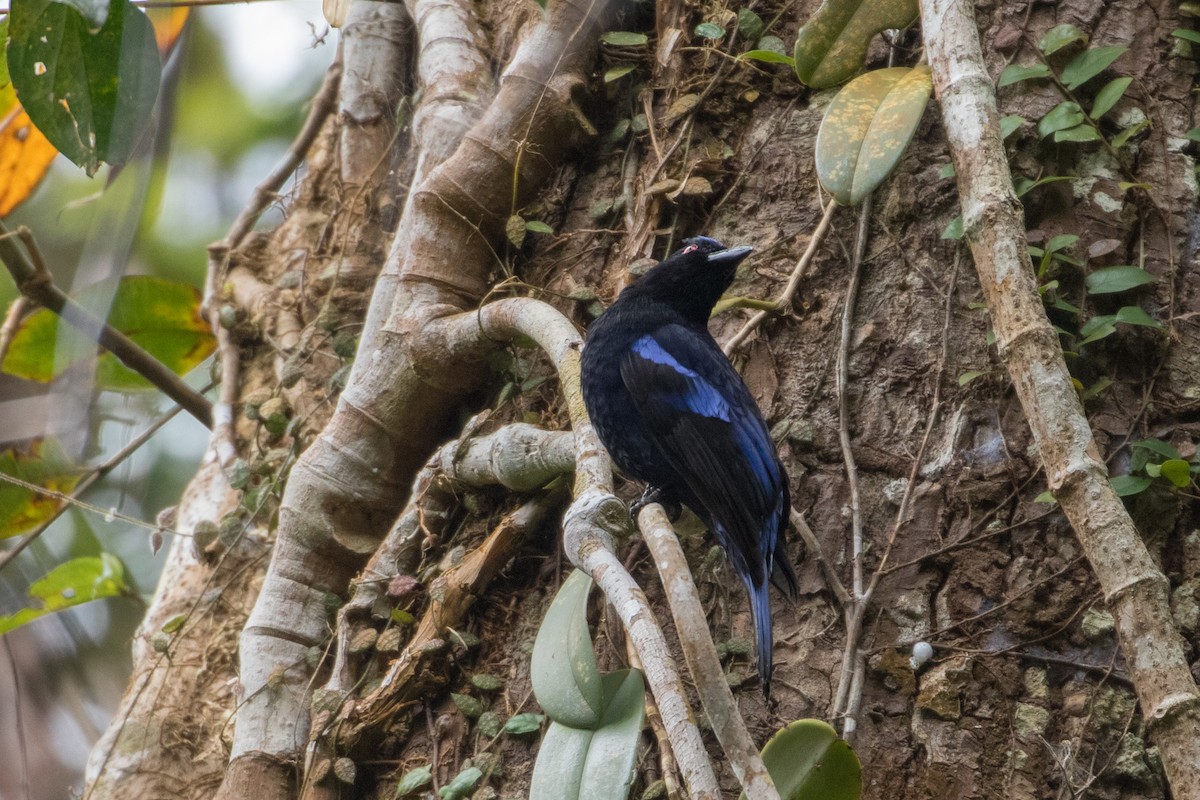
point(691, 248)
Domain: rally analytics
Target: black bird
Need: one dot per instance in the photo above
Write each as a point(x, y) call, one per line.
point(674, 413)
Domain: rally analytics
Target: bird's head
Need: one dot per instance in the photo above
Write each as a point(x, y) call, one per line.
point(693, 278)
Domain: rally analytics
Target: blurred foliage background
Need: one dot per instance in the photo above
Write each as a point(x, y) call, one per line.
point(234, 94)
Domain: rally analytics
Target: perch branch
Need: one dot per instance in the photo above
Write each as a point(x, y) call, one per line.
point(993, 220)
point(701, 655)
point(34, 281)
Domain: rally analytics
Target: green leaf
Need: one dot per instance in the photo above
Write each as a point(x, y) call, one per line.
point(1127, 485)
point(563, 667)
point(534, 226)
point(1158, 446)
point(1061, 242)
point(1080, 133)
point(769, 56)
point(867, 128)
point(1059, 37)
point(954, 230)
point(1045, 497)
point(43, 463)
point(471, 707)
point(1089, 64)
point(1178, 472)
point(1015, 73)
point(618, 72)
point(1066, 114)
point(832, 45)
point(414, 779)
point(1188, 34)
point(1023, 186)
point(577, 764)
point(709, 30)
point(160, 315)
point(1109, 280)
point(91, 94)
point(749, 24)
point(807, 761)
point(1098, 328)
point(1133, 315)
point(773, 44)
point(946, 171)
point(73, 583)
point(1124, 136)
point(1009, 124)
point(624, 39)
point(969, 376)
point(522, 724)
point(1107, 97)
point(462, 784)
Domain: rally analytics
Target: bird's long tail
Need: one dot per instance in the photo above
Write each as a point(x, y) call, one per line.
point(760, 606)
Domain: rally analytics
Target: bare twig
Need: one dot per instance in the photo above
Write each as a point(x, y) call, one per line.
point(223, 438)
point(1135, 590)
point(34, 281)
point(814, 551)
point(12, 322)
point(85, 484)
point(701, 655)
point(783, 301)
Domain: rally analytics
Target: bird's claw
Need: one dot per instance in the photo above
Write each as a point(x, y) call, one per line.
point(656, 495)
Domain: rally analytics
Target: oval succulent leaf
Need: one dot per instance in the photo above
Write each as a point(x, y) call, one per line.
point(866, 129)
point(833, 43)
point(563, 667)
point(807, 761)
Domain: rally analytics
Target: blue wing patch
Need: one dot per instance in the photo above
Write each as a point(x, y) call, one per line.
point(700, 396)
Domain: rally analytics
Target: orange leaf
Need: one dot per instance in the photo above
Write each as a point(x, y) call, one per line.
point(25, 155)
point(168, 25)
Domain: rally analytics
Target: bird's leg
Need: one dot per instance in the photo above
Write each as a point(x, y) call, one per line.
point(656, 494)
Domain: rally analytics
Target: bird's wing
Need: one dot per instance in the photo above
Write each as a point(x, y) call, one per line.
point(702, 418)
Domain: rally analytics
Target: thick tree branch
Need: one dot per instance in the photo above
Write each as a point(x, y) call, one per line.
point(1136, 592)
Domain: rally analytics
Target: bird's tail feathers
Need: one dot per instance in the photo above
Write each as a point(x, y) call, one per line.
point(783, 576)
point(760, 607)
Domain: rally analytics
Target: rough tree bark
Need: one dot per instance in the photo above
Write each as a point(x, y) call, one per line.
point(1028, 695)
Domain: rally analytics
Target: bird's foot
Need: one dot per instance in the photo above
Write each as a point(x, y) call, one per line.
point(656, 495)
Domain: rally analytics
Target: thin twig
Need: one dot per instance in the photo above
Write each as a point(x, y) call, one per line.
point(34, 281)
point(853, 612)
point(814, 551)
point(789, 291)
point(87, 482)
point(12, 321)
point(323, 103)
point(701, 654)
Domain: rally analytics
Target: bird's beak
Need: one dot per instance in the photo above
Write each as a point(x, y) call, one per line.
point(730, 255)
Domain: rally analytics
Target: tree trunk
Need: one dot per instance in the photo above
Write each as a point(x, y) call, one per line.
point(1028, 693)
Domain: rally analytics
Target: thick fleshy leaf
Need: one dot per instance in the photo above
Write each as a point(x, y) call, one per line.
point(831, 46)
point(160, 315)
point(1089, 64)
point(91, 94)
point(807, 761)
point(579, 764)
point(73, 583)
point(42, 463)
point(1117, 279)
point(866, 129)
point(563, 667)
point(1177, 471)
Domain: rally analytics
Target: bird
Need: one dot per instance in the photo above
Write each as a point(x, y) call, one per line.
point(675, 414)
